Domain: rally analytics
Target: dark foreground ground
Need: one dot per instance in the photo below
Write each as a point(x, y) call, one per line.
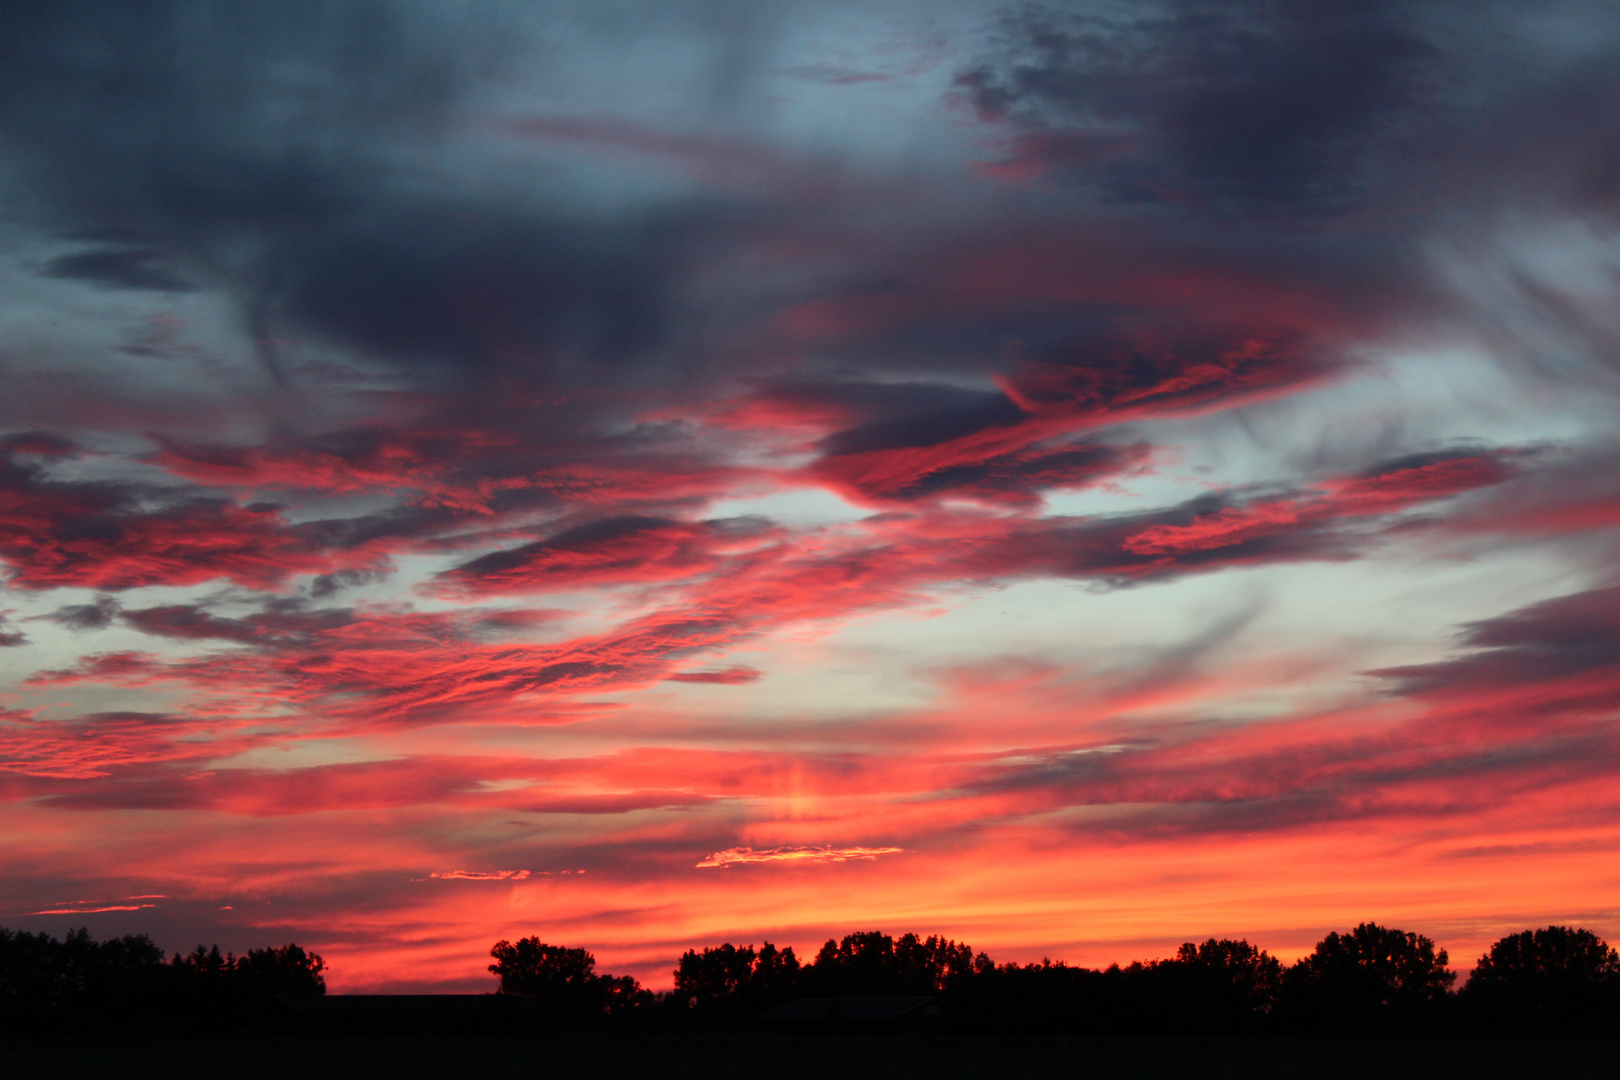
point(790, 1057)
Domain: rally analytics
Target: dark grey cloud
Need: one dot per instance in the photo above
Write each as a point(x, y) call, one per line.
point(926, 424)
point(1380, 116)
point(483, 288)
point(622, 548)
point(865, 400)
point(322, 586)
point(10, 638)
point(1570, 646)
point(295, 155)
point(174, 119)
point(125, 268)
point(93, 616)
point(267, 628)
point(1250, 108)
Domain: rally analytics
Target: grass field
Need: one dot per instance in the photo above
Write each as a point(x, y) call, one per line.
point(789, 1058)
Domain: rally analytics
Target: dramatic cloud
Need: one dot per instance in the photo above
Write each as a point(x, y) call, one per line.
point(1111, 456)
point(1226, 109)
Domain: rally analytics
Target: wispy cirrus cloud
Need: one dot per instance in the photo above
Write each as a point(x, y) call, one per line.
point(480, 875)
point(740, 856)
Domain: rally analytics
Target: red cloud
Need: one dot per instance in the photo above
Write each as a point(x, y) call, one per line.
point(101, 744)
point(1388, 491)
point(100, 534)
point(614, 550)
point(731, 676)
point(1008, 447)
point(69, 545)
point(974, 468)
point(385, 667)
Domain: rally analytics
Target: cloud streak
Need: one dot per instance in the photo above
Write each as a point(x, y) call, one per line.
point(797, 856)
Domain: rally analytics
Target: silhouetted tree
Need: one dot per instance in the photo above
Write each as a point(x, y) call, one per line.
point(1371, 979)
point(205, 967)
point(861, 964)
point(775, 977)
point(1556, 979)
point(116, 968)
point(78, 984)
point(1218, 986)
point(718, 974)
point(932, 964)
point(1044, 997)
point(540, 971)
point(214, 990)
point(871, 963)
point(33, 969)
point(563, 979)
point(285, 970)
point(39, 973)
point(620, 995)
point(735, 982)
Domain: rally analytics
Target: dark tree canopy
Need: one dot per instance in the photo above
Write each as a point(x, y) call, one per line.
point(776, 971)
point(1382, 965)
point(77, 969)
point(561, 978)
point(873, 963)
point(1551, 958)
point(534, 969)
point(1557, 978)
point(1373, 978)
point(1231, 983)
point(736, 980)
point(1221, 964)
point(126, 982)
point(284, 970)
point(716, 974)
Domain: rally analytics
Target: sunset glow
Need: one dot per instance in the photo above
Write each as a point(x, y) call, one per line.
point(1074, 479)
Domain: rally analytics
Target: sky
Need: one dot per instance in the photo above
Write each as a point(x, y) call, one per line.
point(1074, 478)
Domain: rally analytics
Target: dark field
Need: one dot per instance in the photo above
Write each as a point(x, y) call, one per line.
point(779, 1058)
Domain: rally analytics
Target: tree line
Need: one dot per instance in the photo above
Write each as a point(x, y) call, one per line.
point(80, 984)
point(1557, 980)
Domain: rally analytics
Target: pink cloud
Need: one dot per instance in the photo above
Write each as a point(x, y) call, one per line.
point(797, 856)
point(480, 875)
